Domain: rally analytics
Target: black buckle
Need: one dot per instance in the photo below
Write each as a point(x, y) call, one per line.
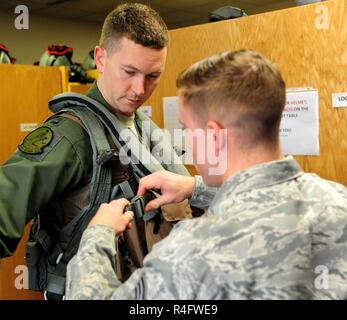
point(106, 156)
point(52, 296)
point(138, 204)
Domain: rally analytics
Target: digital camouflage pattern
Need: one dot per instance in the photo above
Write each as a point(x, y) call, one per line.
point(271, 232)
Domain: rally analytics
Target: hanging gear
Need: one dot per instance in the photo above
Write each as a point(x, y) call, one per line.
point(61, 55)
point(88, 63)
point(57, 55)
point(225, 13)
point(51, 246)
point(78, 74)
point(5, 57)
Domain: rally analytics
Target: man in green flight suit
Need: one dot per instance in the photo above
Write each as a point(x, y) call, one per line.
point(55, 161)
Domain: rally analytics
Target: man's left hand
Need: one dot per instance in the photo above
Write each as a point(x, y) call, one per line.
point(112, 214)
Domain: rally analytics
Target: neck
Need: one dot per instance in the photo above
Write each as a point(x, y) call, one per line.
point(243, 159)
point(102, 90)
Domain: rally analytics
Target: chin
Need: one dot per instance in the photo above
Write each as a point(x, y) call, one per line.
point(131, 108)
point(127, 113)
point(127, 110)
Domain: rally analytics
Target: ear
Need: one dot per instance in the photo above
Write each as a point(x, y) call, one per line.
point(100, 56)
point(217, 132)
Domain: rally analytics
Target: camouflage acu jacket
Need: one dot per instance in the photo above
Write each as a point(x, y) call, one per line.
point(271, 232)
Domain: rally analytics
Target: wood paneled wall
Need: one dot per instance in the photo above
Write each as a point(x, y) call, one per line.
point(306, 55)
point(24, 95)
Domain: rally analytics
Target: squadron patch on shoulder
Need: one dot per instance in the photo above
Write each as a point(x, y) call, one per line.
point(36, 141)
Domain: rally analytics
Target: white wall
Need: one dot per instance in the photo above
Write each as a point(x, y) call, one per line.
point(28, 45)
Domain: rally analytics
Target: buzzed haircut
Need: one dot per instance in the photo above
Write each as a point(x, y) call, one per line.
point(138, 23)
point(242, 89)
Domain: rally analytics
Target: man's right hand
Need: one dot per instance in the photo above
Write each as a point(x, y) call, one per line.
point(174, 188)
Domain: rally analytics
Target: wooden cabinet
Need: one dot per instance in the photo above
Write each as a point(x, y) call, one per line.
point(76, 87)
point(24, 95)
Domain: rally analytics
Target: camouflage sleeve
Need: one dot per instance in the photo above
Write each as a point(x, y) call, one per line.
point(202, 195)
point(166, 274)
point(91, 272)
point(29, 181)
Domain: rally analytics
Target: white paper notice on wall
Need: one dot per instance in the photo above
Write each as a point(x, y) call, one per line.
point(172, 124)
point(299, 129)
point(339, 100)
point(27, 127)
point(147, 110)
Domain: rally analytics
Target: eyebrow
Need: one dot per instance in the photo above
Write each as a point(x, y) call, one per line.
point(129, 66)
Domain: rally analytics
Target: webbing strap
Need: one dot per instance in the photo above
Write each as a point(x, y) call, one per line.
point(132, 148)
point(55, 289)
point(128, 192)
point(102, 175)
point(95, 130)
point(101, 178)
point(100, 192)
point(56, 284)
point(43, 238)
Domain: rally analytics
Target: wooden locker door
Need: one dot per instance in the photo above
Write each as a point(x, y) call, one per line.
point(24, 95)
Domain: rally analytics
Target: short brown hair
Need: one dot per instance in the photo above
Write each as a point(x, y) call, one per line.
point(243, 88)
point(138, 23)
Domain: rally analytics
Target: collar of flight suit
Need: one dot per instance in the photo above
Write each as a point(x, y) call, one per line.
point(259, 176)
point(96, 94)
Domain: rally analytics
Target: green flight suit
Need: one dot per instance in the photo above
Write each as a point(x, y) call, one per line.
point(28, 183)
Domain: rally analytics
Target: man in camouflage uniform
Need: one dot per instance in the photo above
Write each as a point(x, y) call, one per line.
point(271, 231)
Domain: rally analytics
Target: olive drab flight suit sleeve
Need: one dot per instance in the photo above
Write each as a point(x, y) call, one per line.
point(54, 159)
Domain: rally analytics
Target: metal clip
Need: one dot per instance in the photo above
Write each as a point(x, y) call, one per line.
point(106, 156)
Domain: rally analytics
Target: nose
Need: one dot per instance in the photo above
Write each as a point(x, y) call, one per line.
point(138, 85)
